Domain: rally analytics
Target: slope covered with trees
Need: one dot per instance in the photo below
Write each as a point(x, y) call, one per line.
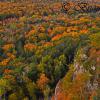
point(46, 53)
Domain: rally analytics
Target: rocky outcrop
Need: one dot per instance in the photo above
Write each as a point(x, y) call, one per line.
point(80, 67)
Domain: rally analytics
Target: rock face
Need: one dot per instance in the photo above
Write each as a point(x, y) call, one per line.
point(80, 68)
point(57, 90)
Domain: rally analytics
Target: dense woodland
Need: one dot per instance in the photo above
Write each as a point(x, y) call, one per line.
point(49, 51)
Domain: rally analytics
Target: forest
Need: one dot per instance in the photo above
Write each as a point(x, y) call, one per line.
point(49, 50)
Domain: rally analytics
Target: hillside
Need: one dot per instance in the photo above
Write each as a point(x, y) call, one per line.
point(49, 51)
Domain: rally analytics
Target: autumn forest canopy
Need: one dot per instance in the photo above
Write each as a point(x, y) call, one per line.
point(49, 50)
